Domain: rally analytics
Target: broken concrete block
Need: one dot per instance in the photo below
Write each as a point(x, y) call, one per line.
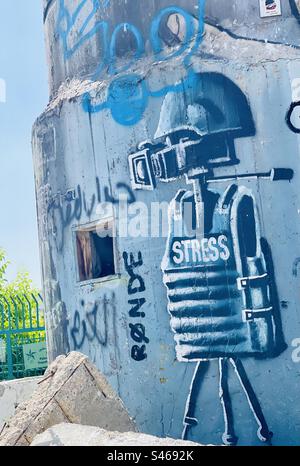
point(12, 394)
point(52, 414)
point(72, 391)
point(69, 398)
point(80, 403)
point(87, 436)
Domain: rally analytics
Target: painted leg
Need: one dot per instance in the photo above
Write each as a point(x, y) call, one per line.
point(229, 437)
point(263, 432)
point(189, 418)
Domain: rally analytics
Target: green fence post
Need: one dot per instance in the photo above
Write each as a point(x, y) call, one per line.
point(21, 323)
point(10, 372)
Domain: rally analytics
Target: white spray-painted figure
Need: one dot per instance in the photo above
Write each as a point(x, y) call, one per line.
point(217, 267)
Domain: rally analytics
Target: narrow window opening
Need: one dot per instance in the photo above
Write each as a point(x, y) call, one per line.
point(95, 252)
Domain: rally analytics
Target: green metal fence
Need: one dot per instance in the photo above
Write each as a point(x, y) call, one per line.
point(23, 350)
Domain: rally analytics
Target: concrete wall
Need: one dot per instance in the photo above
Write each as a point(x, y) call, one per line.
point(247, 21)
point(236, 101)
point(12, 394)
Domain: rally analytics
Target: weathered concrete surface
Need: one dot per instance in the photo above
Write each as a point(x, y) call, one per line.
point(70, 435)
point(243, 20)
point(12, 394)
point(72, 391)
point(84, 63)
point(109, 94)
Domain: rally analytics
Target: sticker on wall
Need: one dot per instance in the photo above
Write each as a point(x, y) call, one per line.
point(35, 356)
point(270, 8)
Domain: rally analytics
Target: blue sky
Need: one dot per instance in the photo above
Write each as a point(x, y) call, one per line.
point(23, 67)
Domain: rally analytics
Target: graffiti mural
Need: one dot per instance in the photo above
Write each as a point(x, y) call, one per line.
point(93, 326)
point(66, 209)
point(68, 22)
point(128, 93)
point(218, 274)
point(166, 168)
point(136, 286)
point(89, 329)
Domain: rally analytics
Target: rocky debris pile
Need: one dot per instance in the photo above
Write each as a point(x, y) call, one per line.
point(72, 391)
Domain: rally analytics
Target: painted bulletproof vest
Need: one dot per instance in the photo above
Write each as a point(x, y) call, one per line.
point(218, 285)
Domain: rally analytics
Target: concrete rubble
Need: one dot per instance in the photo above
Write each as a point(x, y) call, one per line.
point(72, 391)
point(75, 435)
point(12, 394)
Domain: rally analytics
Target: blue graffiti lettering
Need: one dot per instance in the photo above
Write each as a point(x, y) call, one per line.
point(127, 100)
point(140, 47)
point(128, 96)
point(67, 21)
point(156, 40)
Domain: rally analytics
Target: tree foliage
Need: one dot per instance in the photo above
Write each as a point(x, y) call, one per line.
point(21, 318)
point(3, 267)
point(22, 284)
point(19, 299)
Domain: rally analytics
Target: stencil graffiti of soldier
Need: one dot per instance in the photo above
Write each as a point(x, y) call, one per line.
point(217, 268)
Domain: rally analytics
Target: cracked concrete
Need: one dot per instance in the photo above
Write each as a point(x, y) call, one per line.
point(217, 47)
point(72, 391)
point(14, 393)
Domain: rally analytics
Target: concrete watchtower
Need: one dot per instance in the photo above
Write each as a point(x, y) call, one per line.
point(145, 98)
